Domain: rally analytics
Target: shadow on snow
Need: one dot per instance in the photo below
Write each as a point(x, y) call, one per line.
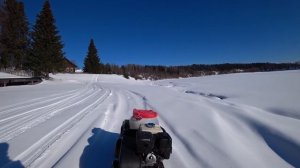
point(284, 147)
point(4, 159)
point(99, 153)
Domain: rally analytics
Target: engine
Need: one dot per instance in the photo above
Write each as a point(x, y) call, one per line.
point(143, 142)
point(153, 142)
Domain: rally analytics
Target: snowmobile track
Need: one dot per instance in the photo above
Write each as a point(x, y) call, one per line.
point(14, 125)
point(37, 149)
point(21, 124)
point(34, 102)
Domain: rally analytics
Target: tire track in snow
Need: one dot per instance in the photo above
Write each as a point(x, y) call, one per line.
point(37, 115)
point(102, 143)
point(45, 99)
point(25, 123)
point(26, 105)
point(78, 92)
point(38, 148)
point(21, 114)
point(115, 109)
point(33, 102)
point(39, 109)
point(137, 97)
point(58, 102)
point(100, 118)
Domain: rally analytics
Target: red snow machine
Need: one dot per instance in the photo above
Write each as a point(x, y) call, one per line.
point(143, 143)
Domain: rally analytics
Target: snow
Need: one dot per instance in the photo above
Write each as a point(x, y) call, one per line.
point(78, 70)
point(235, 120)
point(7, 75)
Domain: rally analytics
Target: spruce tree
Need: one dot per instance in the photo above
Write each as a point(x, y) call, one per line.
point(14, 35)
point(46, 54)
point(1, 25)
point(92, 60)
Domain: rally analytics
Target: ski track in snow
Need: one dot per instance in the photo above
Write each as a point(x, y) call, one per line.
point(79, 127)
point(19, 120)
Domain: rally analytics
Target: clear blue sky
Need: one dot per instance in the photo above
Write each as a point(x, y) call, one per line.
point(177, 32)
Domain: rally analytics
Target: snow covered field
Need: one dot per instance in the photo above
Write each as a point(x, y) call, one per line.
point(237, 120)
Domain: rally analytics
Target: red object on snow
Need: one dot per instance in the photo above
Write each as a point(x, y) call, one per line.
point(140, 114)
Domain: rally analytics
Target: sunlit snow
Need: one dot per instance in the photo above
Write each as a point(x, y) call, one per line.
point(236, 120)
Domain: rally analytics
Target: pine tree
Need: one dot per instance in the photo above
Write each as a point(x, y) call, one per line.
point(14, 34)
point(2, 16)
point(46, 55)
point(92, 60)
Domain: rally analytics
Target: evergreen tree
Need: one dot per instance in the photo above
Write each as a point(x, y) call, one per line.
point(14, 34)
point(92, 60)
point(46, 54)
point(1, 25)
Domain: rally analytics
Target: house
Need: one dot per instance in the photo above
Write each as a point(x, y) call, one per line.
point(70, 67)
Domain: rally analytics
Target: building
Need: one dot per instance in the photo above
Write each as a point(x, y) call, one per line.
point(70, 67)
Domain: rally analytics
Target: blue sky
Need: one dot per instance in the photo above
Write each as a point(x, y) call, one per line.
point(177, 32)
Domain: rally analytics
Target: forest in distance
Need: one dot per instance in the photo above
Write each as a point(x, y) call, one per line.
point(156, 72)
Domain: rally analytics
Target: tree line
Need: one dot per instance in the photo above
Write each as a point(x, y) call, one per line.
point(156, 72)
point(92, 64)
